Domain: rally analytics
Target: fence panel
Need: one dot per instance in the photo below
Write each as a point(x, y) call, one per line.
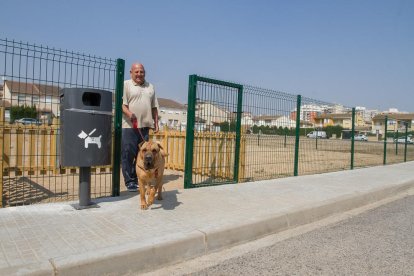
point(282, 135)
point(269, 141)
point(213, 155)
point(400, 145)
point(31, 77)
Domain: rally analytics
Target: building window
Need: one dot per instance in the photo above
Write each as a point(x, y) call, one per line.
point(7, 115)
point(35, 99)
point(48, 99)
point(21, 98)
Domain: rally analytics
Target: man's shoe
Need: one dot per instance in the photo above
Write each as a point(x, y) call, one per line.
point(132, 187)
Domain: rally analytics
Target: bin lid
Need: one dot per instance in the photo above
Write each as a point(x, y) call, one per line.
point(87, 99)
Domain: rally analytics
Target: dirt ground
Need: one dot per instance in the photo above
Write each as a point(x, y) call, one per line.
point(173, 180)
point(265, 158)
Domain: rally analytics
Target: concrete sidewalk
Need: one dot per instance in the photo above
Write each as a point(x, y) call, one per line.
point(118, 237)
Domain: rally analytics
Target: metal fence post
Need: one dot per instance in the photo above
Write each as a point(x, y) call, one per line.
point(406, 137)
point(352, 138)
point(396, 144)
point(1, 154)
point(238, 133)
point(120, 69)
point(385, 140)
point(297, 133)
point(189, 141)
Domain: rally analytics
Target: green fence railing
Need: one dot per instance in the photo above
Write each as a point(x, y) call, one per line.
point(281, 135)
point(31, 77)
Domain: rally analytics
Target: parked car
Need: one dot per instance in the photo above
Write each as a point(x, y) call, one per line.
point(28, 121)
point(360, 137)
point(402, 140)
point(317, 134)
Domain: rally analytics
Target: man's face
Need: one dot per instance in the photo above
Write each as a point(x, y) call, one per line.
point(138, 74)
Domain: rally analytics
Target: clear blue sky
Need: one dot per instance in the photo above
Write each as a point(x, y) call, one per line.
point(353, 52)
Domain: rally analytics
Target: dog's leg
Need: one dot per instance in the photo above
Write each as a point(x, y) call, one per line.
point(159, 184)
point(151, 195)
point(142, 188)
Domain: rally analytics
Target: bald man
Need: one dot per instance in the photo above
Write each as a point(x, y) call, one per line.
point(140, 113)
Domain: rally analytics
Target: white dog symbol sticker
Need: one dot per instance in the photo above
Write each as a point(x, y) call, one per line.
point(90, 140)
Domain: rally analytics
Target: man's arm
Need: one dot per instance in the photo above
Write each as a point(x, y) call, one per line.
point(126, 111)
point(154, 112)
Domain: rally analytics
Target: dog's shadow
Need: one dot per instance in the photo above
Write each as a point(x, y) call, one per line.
point(169, 200)
point(170, 177)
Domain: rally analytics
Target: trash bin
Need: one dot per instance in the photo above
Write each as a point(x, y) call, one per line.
point(85, 133)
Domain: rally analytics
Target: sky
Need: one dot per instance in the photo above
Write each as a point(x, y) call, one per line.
point(350, 52)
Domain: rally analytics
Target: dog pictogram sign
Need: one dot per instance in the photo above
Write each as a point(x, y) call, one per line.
point(90, 140)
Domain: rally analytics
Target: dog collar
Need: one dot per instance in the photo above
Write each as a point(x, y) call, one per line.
point(155, 170)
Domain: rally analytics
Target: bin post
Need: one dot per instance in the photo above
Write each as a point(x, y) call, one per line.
point(85, 190)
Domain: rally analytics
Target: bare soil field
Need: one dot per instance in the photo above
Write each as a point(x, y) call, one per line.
point(265, 157)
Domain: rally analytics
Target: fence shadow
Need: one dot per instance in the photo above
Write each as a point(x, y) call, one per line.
point(23, 191)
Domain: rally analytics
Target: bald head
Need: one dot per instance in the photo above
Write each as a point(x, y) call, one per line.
point(137, 73)
point(137, 65)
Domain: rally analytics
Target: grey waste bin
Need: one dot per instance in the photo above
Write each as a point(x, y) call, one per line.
point(85, 133)
point(86, 119)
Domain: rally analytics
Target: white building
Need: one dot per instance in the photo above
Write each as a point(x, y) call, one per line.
point(172, 114)
point(44, 97)
point(274, 121)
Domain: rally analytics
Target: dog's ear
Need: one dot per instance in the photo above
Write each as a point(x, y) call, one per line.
point(140, 144)
point(163, 153)
point(159, 144)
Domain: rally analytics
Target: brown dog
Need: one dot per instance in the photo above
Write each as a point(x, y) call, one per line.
point(150, 171)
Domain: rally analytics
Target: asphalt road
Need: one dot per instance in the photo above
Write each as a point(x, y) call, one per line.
point(377, 239)
point(376, 242)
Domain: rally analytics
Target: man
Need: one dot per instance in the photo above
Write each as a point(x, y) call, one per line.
point(140, 110)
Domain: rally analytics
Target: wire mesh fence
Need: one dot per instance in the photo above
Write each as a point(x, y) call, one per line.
point(269, 141)
point(213, 108)
point(31, 78)
point(235, 133)
point(280, 135)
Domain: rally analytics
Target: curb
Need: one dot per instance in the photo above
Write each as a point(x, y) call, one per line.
point(138, 257)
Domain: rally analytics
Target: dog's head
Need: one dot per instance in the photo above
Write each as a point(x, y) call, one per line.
point(150, 152)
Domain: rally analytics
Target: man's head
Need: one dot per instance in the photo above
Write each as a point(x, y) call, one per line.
point(137, 73)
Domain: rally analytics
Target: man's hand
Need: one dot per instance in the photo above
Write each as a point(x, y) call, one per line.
point(134, 120)
point(133, 117)
point(156, 128)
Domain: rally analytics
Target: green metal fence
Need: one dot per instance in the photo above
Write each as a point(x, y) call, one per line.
point(235, 133)
point(239, 133)
point(31, 78)
point(215, 154)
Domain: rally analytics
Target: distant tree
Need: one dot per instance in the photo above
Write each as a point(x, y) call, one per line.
point(17, 112)
point(228, 126)
point(330, 130)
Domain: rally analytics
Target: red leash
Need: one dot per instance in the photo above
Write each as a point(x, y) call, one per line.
point(135, 126)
